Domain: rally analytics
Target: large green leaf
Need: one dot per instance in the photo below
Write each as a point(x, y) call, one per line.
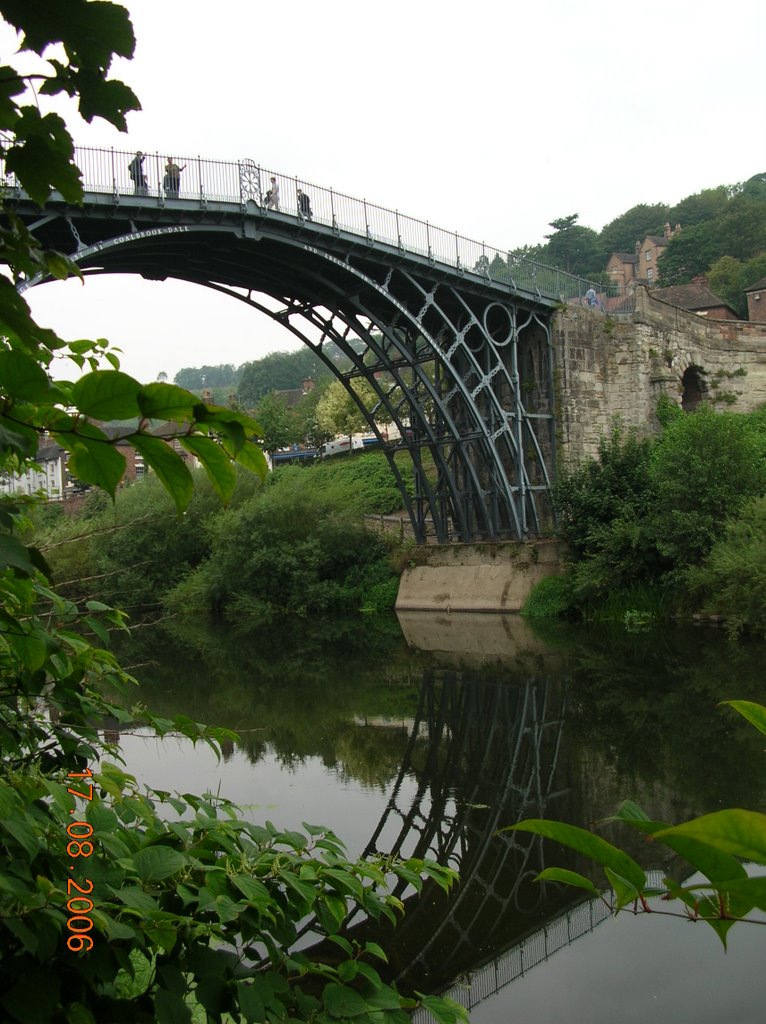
point(93, 30)
point(107, 395)
point(343, 1002)
point(215, 461)
point(568, 878)
point(153, 863)
point(93, 461)
point(15, 554)
point(167, 402)
point(23, 379)
point(168, 465)
point(42, 157)
point(251, 457)
point(171, 1008)
point(738, 832)
point(754, 713)
point(590, 845)
point(713, 863)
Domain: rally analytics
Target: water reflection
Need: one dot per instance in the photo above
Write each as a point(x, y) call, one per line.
point(437, 735)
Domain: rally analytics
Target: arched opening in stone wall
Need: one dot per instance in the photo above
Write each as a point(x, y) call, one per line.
point(694, 388)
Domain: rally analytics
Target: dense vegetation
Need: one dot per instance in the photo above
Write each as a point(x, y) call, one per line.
point(118, 905)
point(292, 545)
point(669, 524)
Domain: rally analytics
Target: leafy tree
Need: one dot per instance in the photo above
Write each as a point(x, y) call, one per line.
point(755, 187)
point(700, 207)
point(225, 375)
point(732, 580)
point(279, 371)
point(338, 413)
point(277, 425)
point(703, 468)
point(622, 233)
point(290, 551)
point(729, 277)
point(689, 253)
point(163, 913)
point(306, 421)
point(573, 247)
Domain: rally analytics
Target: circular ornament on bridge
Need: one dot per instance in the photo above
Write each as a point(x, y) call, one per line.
point(250, 181)
point(499, 324)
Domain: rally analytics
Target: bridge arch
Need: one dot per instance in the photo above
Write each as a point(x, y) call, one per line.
point(459, 360)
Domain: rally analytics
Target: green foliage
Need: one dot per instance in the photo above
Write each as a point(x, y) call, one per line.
point(278, 371)
point(640, 517)
point(703, 468)
point(574, 248)
point(195, 378)
point(173, 905)
point(289, 551)
point(729, 277)
point(273, 415)
point(337, 411)
point(716, 223)
point(621, 234)
point(551, 598)
point(732, 580)
point(191, 905)
point(713, 845)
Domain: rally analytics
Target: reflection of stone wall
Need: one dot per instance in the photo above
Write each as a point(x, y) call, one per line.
point(475, 639)
point(607, 368)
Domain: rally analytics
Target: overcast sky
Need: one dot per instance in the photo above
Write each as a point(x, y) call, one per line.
point(490, 119)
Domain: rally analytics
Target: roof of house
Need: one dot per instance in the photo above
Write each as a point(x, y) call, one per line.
point(759, 286)
point(625, 257)
point(657, 239)
point(690, 296)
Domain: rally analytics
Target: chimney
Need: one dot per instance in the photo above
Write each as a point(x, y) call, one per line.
point(308, 385)
point(666, 230)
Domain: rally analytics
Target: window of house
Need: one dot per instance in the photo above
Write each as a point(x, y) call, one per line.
point(650, 274)
point(648, 255)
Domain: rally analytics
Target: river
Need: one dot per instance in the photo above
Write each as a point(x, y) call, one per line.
point(427, 734)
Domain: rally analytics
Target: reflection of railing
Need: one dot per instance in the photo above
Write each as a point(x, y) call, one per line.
point(244, 182)
point(534, 949)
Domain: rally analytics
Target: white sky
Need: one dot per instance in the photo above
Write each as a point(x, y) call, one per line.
point(491, 120)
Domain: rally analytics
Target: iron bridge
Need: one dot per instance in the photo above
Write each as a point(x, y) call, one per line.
point(445, 339)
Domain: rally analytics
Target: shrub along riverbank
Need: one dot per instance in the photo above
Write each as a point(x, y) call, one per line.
point(294, 544)
point(668, 525)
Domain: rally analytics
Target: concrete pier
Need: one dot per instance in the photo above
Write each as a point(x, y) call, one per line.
point(477, 577)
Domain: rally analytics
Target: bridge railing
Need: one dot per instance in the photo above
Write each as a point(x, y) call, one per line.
point(204, 181)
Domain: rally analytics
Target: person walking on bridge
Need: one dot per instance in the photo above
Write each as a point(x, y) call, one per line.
point(172, 180)
point(137, 176)
point(304, 205)
point(272, 196)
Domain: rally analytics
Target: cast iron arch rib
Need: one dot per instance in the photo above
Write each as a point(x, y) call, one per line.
point(452, 357)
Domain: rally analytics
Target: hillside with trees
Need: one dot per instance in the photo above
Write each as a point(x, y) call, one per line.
point(723, 236)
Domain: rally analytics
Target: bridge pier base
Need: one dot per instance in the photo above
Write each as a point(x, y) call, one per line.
point(477, 577)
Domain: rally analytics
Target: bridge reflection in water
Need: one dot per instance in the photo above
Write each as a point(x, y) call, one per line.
point(484, 751)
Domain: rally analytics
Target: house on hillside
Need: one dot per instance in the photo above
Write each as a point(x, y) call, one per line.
point(48, 476)
point(641, 266)
point(291, 396)
point(696, 298)
point(756, 301)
